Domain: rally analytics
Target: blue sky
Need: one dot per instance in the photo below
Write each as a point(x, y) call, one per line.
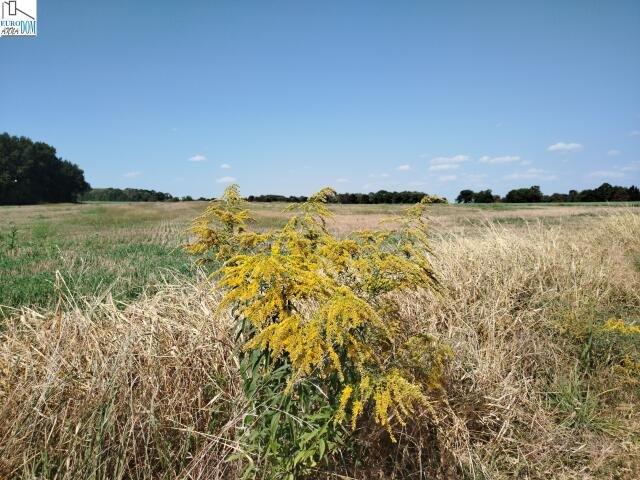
point(290, 96)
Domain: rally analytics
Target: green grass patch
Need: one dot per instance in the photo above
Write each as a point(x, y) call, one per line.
point(509, 221)
point(41, 259)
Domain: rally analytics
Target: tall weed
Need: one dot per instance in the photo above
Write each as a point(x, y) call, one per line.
point(321, 340)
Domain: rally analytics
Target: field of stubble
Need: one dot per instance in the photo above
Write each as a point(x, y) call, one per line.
point(114, 362)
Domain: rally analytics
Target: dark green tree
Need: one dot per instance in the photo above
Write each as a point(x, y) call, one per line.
point(559, 197)
point(30, 172)
point(128, 195)
point(524, 195)
point(483, 196)
point(465, 196)
point(573, 196)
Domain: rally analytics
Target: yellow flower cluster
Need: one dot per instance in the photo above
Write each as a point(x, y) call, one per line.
point(328, 304)
point(217, 227)
point(618, 326)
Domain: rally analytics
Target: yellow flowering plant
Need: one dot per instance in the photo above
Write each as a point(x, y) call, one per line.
point(604, 347)
point(322, 339)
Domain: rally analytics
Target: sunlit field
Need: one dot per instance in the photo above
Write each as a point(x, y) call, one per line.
point(120, 249)
point(117, 363)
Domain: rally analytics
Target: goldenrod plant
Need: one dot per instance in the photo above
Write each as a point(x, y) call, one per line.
point(612, 343)
point(322, 342)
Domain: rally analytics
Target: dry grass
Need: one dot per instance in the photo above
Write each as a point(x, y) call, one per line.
point(151, 391)
point(507, 294)
point(97, 392)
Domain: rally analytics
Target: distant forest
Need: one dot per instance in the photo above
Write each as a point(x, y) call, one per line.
point(533, 194)
point(127, 195)
point(140, 195)
point(604, 193)
point(381, 196)
point(31, 172)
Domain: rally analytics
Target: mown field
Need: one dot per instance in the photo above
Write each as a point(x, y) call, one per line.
point(115, 361)
point(120, 249)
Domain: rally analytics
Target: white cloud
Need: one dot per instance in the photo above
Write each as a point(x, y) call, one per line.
point(565, 147)
point(531, 173)
point(444, 166)
point(607, 174)
point(497, 160)
point(131, 174)
point(447, 178)
point(613, 153)
point(449, 160)
point(385, 184)
point(342, 180)
point(475, 176)
point(635, 133)
point(632, 167)
point(225, 165)
point(379, 175)
point(416, 183)
point(198, 158)
point(617, 172)
point(403, 168)
point(226, 180)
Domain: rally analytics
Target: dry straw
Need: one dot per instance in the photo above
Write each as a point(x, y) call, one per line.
point(150, 390)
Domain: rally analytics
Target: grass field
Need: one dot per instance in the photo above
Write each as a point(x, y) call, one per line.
point(120, 249)
point(116, 363)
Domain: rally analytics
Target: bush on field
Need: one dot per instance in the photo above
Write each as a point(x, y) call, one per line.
point(322, 342)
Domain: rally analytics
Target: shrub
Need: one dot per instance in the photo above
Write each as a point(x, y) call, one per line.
point(321, 339)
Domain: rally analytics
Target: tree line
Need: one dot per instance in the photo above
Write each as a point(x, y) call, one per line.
point(31, 172)
point(381, 196)
point(604, 193)
point(126, 195)
point(142, 195)
point(111, 194)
